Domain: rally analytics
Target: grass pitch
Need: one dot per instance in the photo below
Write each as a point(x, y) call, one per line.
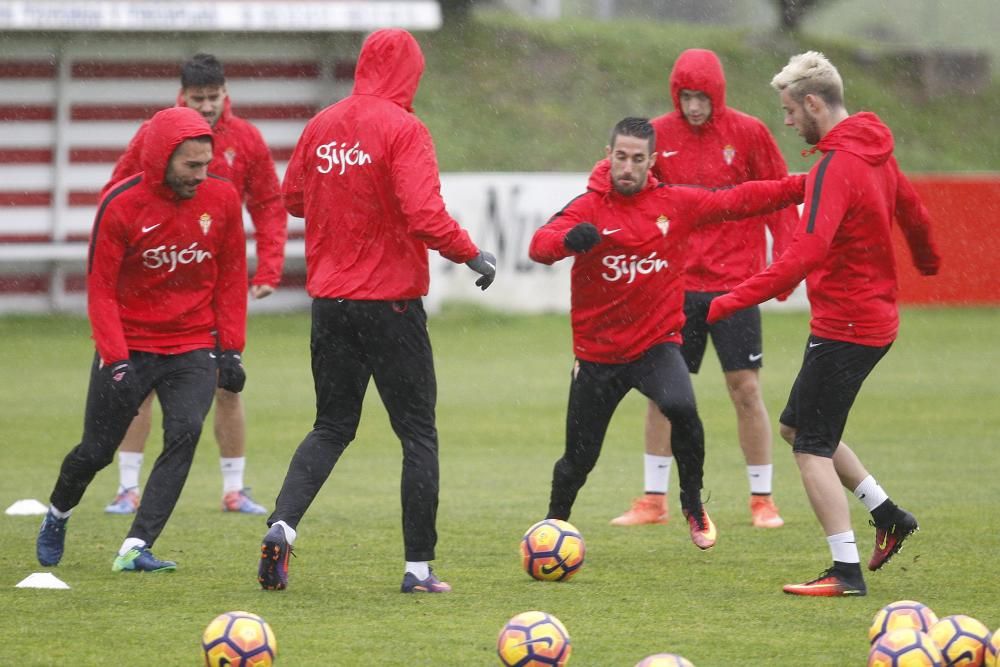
point(926, 424)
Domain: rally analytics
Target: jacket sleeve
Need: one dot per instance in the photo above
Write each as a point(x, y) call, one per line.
point(104, 259)
point(748, 199)
point(294, 182)
point(417, 186)
point(809, 245)
point(128, 164)
point(767, 164)
point(915, 223)
point(547, 244)
point(230, 292)
point(263, 201)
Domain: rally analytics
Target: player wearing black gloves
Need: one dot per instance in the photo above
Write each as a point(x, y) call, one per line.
point(368, 320)
point(156, 324)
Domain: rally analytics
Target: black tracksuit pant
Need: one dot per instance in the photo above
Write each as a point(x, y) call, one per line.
point(353, 342)
point(661, 375)
point(185, 386)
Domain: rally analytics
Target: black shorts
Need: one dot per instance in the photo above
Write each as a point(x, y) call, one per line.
point(824, 391)
point(737, 339)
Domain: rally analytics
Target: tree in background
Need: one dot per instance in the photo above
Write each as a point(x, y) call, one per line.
point(457, 11)
point(791, 12)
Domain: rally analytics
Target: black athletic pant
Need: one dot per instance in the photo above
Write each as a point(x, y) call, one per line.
point(352, 342)
point(185, 385)
point(596, 390)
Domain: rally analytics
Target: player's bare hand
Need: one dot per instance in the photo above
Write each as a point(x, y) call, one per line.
point(260, 291)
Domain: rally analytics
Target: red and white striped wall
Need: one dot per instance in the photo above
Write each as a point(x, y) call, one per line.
point(70, 104)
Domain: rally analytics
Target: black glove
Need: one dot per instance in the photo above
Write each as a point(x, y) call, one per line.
point(486, 264)
point(123, 382)
point(232, 377)
point(582, 238)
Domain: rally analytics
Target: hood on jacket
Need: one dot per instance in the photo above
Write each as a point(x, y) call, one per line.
point(863, 134)
point(600, 179)
point(167, 130)
point(699, 69)
point(390, 66)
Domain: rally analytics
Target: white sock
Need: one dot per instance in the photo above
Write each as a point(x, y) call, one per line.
point(657, 469)
point(232, 473)
point(129, 466)
point(870, 493)
point(290, 533)
point(843, 547)
point(760, 478)
point(420, 569)
point(59, 514)
point(131, 543)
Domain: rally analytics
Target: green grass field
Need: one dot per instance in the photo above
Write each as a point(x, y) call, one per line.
point(926, 423)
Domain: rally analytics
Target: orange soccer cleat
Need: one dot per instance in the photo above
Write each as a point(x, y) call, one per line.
point(648, 509)
point(703, 532)
point(764, 513)
point(832, 583)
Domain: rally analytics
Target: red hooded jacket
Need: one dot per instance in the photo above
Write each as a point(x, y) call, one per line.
point(628, 290)
point(731, 147)
point(365, 177)
point(163, 272)
point(842, 245)
point(241, 156)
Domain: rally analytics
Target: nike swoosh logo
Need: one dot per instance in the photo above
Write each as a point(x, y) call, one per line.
point(151, 227)
point(609, 232)
point(811, 344)
point(669, 153)
point(756, 357)
point(885, 541)
point(541, 640)
point(550, 569)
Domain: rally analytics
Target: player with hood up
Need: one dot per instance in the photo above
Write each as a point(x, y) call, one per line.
point(703, 141)
point(166, 283)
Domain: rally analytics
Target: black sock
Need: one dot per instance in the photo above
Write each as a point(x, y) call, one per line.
point(884, 513)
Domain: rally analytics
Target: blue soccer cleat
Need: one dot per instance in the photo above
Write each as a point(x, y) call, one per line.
point(272, 570)
point(140, 559)
point(51, 539)
point(429, 585)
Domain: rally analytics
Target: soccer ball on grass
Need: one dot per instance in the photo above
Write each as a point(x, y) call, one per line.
point(901, 614)
point(664, 660)
point(534, 639)
point(905, 647)
point(552, 550)
point(239, 639)
point(962, 640)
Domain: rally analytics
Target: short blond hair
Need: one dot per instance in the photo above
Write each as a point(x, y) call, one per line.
point(810, 73)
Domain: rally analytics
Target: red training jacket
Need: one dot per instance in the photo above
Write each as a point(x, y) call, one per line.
point(627, 291)
point(731, 147)
point(842, 245)
point(365, 177)
point(163, 272)
point(241, 156)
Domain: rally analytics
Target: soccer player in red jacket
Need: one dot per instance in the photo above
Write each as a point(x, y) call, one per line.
point(842, 247)
point(705, 142)
point(166, 285)
point(242, 157)
point(365, 178)
point(627, 236)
